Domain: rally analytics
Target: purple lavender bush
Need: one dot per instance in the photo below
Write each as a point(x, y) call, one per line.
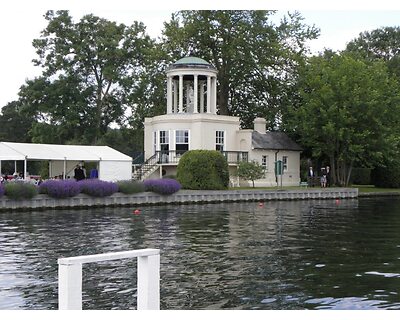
point(60, 188)
point(98, 188)
point(162, 186)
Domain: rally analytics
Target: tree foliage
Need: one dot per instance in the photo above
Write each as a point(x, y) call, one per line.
point(349, 109)
point(379, 44)
point(91, 74)
point(250, 171)
point(256, 60)
point(14, 125)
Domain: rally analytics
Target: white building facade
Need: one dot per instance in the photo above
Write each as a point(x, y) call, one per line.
point(192, 123)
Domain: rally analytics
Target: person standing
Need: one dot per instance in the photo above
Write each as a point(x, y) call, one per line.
point(328, 176)
point(310, 177)
point(323, 178)
point(78, 173)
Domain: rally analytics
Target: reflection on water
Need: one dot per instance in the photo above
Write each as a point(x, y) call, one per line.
point(278, 255)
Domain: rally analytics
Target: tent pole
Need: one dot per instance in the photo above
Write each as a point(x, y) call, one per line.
point(0, 168)
point(65, 167)
point(25, 167)
point(50, 170)
point(15, 166)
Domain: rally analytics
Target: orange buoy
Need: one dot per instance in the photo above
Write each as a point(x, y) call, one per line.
point(137, 211)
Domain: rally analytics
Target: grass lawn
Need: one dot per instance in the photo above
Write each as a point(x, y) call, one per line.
point(361, 188)
point(371, 188)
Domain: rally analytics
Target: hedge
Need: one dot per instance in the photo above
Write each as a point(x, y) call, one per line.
point(203, 170)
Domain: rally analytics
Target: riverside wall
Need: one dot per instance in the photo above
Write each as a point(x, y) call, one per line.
point(41, 201)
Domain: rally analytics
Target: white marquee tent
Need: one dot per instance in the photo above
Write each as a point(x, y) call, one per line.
point(112, 164)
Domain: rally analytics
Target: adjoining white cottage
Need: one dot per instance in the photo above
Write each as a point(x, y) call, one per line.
point(192, 122)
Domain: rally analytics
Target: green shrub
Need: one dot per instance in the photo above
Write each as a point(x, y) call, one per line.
point(360, 176)
point(203, 170)
point(20, 190)
point(250, 171)
point(130, 187)
point(386, 176)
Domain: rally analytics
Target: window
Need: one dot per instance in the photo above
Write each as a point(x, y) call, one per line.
point(181, 141)
point(164, 146)
point(164, 137)
point(285, 163)
point(219, 140)
point(264, 162)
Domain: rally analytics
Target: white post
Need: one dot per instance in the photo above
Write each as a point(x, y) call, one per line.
point(25, 168)
point(148, 278)
point(70, 286)
point(65, 167)
point(180, 93)
point(175, 109)
point(0, 167)
point(169, 95)
point(195, 94)
point(214, 95)
point(208, 94)
point(15, 165)
point(148, 297)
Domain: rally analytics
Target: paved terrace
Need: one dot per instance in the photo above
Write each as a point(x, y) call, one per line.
point(181, 197)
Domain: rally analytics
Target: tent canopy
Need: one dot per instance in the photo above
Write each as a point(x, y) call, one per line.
point(34, 151)
point(113, 165)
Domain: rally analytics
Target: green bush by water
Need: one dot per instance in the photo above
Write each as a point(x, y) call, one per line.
point(20, 190)
point(130, 187)
point(203, 170)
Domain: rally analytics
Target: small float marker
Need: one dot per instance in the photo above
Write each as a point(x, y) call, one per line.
point(137, 211)
point(337, 201)
point(261, 204)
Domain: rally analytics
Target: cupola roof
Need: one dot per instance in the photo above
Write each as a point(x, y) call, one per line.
point(192, 62)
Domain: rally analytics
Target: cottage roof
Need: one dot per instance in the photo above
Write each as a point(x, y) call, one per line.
point(274, 141)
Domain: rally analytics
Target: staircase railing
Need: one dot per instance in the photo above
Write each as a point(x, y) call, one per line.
point(173, 157)
point(147, 166)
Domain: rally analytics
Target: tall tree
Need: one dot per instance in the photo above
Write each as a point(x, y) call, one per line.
point(349, 108)
point(14, 125)
point(91, 71)
point(379, 44)
point(256, 60)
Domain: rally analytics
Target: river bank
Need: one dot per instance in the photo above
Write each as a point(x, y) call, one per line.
point(42, 202)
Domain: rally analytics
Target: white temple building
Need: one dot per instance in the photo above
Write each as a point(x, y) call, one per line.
point(192, 122)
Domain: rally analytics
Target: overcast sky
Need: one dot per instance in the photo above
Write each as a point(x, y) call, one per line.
point(22, 21)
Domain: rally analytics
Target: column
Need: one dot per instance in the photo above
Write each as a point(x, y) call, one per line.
point(175, 109)
point(169, 95)
point(202, 96)
point(195, 94)
point(214, 95)
point(208, 94)
point(180, 93)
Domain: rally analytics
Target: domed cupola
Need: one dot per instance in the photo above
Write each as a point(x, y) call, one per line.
point(191, 86)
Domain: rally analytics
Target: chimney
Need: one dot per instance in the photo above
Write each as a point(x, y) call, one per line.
point(260, 125)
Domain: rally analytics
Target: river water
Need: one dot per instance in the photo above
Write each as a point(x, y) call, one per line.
point(319, 254)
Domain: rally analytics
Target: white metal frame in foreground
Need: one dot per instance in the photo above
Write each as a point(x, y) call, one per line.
point(148, 278)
